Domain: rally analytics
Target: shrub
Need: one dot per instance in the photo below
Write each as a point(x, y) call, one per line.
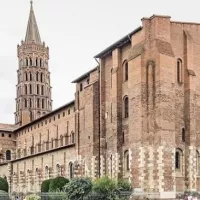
point(78, 188)
point(105, 188)
point(3, 184)
point(57, 184)
point(45, 185)
point(32, 197)
point(124, 185)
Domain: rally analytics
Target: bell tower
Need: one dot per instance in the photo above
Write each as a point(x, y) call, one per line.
point(33, 86)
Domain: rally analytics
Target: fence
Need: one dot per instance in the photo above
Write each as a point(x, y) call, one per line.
point(63, 196)
point(93, 196)
point(4, 196)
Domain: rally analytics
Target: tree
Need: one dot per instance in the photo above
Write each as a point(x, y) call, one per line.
point(3, 184)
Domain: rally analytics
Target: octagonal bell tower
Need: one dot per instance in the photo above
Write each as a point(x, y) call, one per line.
point(33, 87)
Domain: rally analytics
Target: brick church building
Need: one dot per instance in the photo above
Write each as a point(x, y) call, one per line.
point(135, 116)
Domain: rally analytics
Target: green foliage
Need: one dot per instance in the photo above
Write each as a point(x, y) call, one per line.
point(106, 188)
point(3, 184)
point(78, 188)
point(32, 197)
point(124, 185)
point(45, 185)
point(57, 184)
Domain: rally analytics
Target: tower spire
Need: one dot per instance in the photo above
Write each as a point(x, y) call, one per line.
point(32, 33)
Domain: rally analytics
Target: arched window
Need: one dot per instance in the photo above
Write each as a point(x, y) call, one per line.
point(47, 172)
point(30, 76)
point(178, 159)
point(30, 89)
point(26, 76)
point(81, 87)
point(38, 103)
point(27, 62)
point(73, 137)
point(197, 162)
point(42, 77)
point(71, 170)
point(36, 62)
point(30, 103)
point(183, 135)
point(30, 61)
point(42, 90)
point(40, 62)
point(43, 103)
point(126, 162)
point(38, 89)
point(58, 169)
point(179, 71)
point(125, 69)
point(37, 76)
point(126, 107)
point(25, 103)
point(26, 89)
point(8, 155)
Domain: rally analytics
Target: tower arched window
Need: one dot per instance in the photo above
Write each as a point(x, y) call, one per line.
point(43, 103)
point(38, 89)
point(71, 170)
point(26, 89)
point(26, 76)
point(179, 71)
point(36, 62)
point(125, 70)
point(25, 103)
point(183, 135)
point(30, 89)
point(178, 159)
point(30, 76)
point(42, 77)
point(126, 107)
point(30, 103)
point(37, 76)
point(40, 62)
point(38, 103)
point(27, 62)
point(30, 60)
point(8, 155)
point(42, 90)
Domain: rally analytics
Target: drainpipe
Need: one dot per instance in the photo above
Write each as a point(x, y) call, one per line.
point(98, 68)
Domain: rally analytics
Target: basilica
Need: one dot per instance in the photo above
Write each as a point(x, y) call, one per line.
point(135, 116)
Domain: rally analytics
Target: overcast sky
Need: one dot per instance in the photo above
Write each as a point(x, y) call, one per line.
point(75, 31)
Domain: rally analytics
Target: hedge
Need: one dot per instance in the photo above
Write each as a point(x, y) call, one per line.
point(57, 184)
point(45, 185)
